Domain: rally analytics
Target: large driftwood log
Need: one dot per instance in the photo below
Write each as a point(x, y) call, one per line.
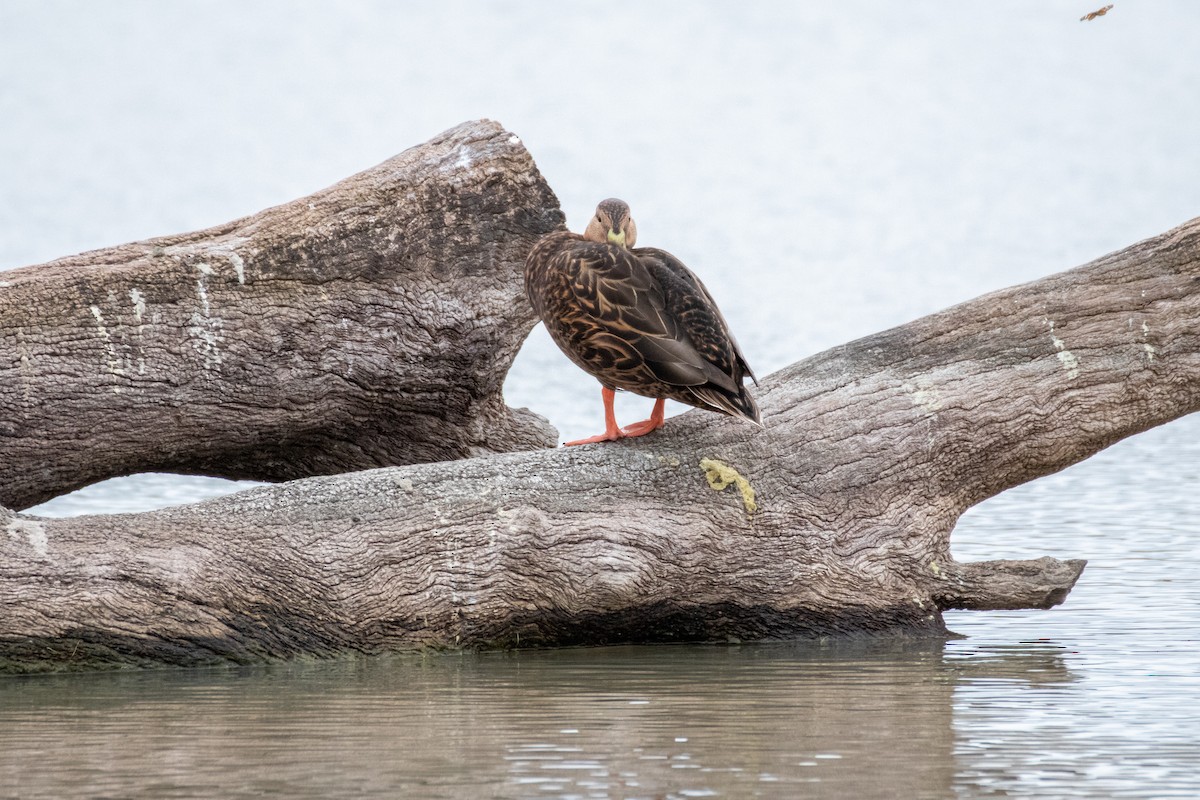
point(835, 518)
point(366, 325)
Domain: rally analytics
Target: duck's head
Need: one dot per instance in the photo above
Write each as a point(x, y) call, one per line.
point(612, 224)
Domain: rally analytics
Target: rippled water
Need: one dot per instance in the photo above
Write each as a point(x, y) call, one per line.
point(694, 722)
point(831, 170)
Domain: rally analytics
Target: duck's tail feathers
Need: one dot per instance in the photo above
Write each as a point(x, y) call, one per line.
point(741, 405)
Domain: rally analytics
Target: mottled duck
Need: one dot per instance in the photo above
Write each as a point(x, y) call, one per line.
point(636, 319)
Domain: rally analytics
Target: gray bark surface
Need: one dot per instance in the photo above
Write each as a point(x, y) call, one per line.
point(369, 324)
point(835, 519)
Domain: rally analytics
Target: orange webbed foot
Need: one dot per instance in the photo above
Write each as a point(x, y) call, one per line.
point(612, 433)
point(607, 436)
point(641, 428)
point(645, 426)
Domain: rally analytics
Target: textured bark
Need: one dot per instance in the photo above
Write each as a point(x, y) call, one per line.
point(834, 519)
point(366, 325)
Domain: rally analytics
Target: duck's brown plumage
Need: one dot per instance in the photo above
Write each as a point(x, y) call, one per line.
point(639, 320)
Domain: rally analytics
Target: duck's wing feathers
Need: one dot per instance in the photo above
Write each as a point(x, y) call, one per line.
point(689, 302)
point(620, 324)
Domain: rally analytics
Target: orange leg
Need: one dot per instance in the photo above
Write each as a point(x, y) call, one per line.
point(654, 423)
point(611, 431)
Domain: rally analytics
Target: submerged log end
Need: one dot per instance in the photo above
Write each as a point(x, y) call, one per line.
point(239, 640)
point(1006, 585)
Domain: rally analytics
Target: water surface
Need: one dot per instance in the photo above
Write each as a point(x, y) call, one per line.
point(694, 721)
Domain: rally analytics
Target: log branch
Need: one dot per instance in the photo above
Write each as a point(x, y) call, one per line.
point(834, 519)
point(1006, 585)
point(369, 324)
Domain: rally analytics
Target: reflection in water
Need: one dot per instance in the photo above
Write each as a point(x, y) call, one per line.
point(868, 719)
point(1125, 726)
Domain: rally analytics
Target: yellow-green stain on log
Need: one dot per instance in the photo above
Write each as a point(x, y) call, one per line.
point(720, 475)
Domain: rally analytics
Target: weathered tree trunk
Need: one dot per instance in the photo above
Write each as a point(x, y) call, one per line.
point(834, 519)
point(366, 325)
